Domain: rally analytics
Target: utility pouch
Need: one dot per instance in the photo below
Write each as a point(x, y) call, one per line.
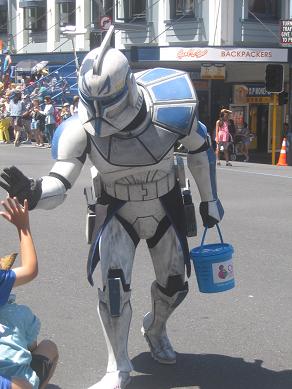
point(180, 170)
point(96, 209)
point(90, 214)
point(189, 210)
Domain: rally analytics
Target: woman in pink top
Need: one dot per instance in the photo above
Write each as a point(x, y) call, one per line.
point(223, 136)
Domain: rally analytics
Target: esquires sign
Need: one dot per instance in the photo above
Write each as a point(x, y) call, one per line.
point(286, 32)
point(251, 94)
point(257, 94)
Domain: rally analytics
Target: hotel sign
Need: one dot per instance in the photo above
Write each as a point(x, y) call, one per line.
point(233, 54)
point(213, 71)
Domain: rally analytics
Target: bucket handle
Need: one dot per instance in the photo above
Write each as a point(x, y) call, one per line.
point(204, 235)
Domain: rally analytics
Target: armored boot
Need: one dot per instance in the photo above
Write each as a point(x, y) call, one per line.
point(154, 323)
point(115, 313)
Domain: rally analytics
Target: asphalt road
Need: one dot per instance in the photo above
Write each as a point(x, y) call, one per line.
point(240, 339)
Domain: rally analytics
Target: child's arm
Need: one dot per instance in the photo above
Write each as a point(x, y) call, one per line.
point(18, 215)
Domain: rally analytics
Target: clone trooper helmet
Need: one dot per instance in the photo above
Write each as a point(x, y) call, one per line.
point(109, 96)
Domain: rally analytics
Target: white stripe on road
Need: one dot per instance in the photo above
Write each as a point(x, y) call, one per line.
point(226, 168)
point(256, 173)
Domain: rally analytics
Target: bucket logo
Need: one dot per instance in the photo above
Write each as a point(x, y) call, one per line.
point(222, 272)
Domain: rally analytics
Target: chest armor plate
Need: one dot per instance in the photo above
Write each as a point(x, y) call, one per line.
point(171, 105)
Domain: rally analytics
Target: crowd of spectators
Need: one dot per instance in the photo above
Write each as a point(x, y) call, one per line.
point(29, 114)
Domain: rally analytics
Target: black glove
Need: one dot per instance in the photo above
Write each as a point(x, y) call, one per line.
point(211, 212)
point(20, 186)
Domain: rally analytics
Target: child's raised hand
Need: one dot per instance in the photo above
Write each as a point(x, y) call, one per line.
point(15, 213)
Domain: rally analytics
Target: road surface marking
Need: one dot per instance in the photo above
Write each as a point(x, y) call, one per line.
point(257, 173)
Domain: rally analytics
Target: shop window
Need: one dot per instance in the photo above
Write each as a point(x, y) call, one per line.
point(67, 14)
point(131, 10)
point(179, 8)
point(3, 18)
point(35, 19)
point(264, 9)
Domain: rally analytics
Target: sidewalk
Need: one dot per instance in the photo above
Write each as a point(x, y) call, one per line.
point(261, 157)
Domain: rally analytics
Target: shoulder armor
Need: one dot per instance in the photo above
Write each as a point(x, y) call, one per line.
point(70, 139)
point(173, 98)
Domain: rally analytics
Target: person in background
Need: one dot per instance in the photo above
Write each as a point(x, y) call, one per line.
point(65, 112)
point(16, 110)
point(35, 93)
point(74, 105)
point(245, 133)
point(50, 122)
point(6, 68)
point(24, 364)
point(37, 122)
point(4, 122)
point(223, 135)
point(43, 92)
point(27, 119)
point(231, 129)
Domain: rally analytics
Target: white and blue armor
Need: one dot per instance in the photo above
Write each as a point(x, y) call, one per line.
point(128, 126)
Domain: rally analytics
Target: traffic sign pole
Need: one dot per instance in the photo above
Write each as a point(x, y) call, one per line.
point(274, 129)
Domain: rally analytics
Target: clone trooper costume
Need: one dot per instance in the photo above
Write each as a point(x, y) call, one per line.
point(128, 125)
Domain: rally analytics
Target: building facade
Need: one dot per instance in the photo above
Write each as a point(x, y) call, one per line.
point(225, 45)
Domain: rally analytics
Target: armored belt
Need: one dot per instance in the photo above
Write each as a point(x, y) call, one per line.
point(141, 192)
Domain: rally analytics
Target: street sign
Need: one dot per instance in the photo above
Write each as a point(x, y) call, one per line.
point(286, 32)
point(105, 22)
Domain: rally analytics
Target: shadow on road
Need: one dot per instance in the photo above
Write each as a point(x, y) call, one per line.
point(51, 386)
point(207, 371)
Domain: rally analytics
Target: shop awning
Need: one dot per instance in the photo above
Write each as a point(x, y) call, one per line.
point(30, 4)
point(39, 66)
point(30, 66)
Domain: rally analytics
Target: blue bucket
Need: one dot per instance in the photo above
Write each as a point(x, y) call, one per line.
point(213, 265)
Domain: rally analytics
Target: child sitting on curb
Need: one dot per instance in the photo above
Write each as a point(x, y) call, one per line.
point(24, 364)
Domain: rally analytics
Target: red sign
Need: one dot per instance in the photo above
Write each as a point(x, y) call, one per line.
point(105, 22)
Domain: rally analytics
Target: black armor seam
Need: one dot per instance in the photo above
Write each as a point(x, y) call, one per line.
point(88, 144)
point(174, 284)
point(64, 181)
point(160, 231)
point(146, 148)
point(204, 147)
point(138, 119)
point(176, 132)
point(82, 158)
point(130, 230)
point(118, 273)
point(106, 157)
